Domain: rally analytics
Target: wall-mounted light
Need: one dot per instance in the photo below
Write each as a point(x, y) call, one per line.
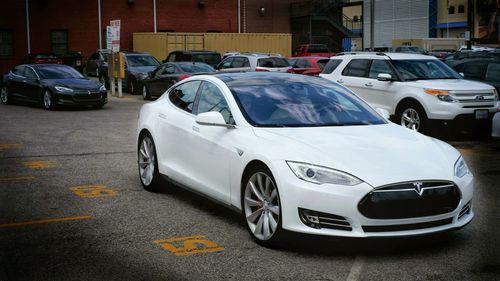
point(262, 11)
point(201, 3)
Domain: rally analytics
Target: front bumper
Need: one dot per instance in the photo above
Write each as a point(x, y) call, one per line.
point(341, 204)
point(82, 99)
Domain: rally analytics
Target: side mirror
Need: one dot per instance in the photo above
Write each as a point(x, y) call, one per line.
point(384, 77)
point(383, 112)
point(212, 118)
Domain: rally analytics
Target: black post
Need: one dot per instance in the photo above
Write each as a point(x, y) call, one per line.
point(470, 23)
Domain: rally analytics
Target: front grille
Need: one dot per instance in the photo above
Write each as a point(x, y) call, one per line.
point(320, 220)
point(87, 96)
point(404, 227)
point(410, 200)
point(465, 210)
point(482, 100)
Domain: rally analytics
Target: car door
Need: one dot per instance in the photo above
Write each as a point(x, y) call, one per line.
point(214, 145)
point(175, 134)
point(355, 77)
point(31, 86)
point(15, 81)
point(492, 75)
point(380, 94)
point(164, 79)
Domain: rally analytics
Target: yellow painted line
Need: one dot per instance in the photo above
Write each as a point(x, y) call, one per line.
point(17, 178)
point(190, 245)
point(93, 191)
point(5, 146)
point(40, 164)
point(17, 224)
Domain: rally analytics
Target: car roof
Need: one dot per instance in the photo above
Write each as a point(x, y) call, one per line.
point(235, 79)
point(409, 56)
point(196, 51)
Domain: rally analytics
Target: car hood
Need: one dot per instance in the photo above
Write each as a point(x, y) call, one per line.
point(451, 85)
point(75, 84)
point(377, 154)
point(141, 69)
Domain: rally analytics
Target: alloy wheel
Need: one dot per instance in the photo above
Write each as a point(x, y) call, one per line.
point(4, 95)
point(147, 161)
point(145, 92)
point(261, 205)
point(47, 100)
point(410, 119)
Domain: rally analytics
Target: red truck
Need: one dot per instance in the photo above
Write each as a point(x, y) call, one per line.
point(306, 50)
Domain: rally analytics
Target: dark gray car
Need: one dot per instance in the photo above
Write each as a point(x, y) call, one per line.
point(96, 61)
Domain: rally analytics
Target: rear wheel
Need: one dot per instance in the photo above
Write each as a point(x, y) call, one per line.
point(145, 92)
point(132, 86)
point(262, 207)
point(148, 163)
point(48, 100)
point(4, 95)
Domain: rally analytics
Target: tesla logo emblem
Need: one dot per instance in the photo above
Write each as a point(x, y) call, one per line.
point(418, 188)
point(479, 98)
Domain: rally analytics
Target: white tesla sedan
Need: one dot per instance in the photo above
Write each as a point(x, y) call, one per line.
point(301, 154)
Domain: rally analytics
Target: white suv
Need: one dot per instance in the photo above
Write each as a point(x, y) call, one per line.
point(417, 90)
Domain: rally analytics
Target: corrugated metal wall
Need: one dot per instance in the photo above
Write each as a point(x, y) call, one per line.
point(396, 19)
point(160, 44)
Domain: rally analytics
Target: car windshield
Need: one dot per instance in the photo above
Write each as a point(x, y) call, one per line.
point(142, 61)
point(272, 62)
point(300, 102)
point(424, 69)
point(58, 72)
point(194, 68)
point(211, 59)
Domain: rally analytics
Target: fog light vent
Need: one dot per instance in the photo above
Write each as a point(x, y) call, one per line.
point(320, 220)
point(465, 210)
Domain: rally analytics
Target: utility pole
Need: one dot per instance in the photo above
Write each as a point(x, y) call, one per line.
point(470, 23)
point(372, 25)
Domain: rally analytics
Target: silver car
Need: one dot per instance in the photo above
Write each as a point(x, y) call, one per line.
point(241, 62)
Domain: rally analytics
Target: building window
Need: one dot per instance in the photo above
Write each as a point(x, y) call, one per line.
point(451, 10)
point(59, 41)
point(6, 43)
point(461, 9)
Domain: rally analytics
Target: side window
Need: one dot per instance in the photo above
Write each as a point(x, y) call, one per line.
point(172, 57)
point(29, 73)
point(303, 64)
point(211, 99)
point(246, 62)
point(239, 62)
point(331, 65)
point(493, 72)
point(357, 68)
point(18, 70)
point(226, 63)
point(169, 69)
point(473, 70)
point(380, 66)
point(183, 95)
point(159, 71)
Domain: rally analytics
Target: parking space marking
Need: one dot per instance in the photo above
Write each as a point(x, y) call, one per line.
point(93, 191)
point(6, 146)
point(44, 221)
point(40, 164)
point(183, 246)
point(17, 178)
point(356, 269)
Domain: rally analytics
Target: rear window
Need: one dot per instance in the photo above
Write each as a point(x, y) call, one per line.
point(212, 59)
point(194, 68)
point(331, 65)
point(272, 62)
point(322, 64)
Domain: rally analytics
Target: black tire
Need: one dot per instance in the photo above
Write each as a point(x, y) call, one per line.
point(408, 108)
point(5, 96)
point(48, 100)
point(132, 86)
point(146, 95)
point(154, 185)
point(277, 236)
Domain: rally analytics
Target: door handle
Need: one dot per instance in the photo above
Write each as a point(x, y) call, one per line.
point(196, 129)
point(369, 84)
point(340, 81)
point(162, 116)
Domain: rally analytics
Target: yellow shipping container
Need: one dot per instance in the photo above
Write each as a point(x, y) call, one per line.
point(161, 44)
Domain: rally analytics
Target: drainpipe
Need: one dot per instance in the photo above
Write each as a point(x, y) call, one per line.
point(99, 20)
point(239, 16)
point(28, 34)
point(154, 15)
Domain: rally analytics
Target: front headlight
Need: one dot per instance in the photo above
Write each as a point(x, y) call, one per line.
point(102, 88)
point(461, 168)
point(319, 175)
point(442, 95)
point(62, 89)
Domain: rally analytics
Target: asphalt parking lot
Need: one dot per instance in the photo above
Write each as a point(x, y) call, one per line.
point(72, 208)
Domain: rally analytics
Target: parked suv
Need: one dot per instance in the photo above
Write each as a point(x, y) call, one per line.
point(137, 66)
point(253, 62)
point(417, 90)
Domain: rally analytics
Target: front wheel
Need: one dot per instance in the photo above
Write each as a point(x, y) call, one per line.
point(105, 81)
point(262, 207)
point(412, 116)
point(48, 100)
point(148, 163)
point(5, 96)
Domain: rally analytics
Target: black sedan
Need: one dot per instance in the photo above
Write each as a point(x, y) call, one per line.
point(51, 85)
point(166, 75)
